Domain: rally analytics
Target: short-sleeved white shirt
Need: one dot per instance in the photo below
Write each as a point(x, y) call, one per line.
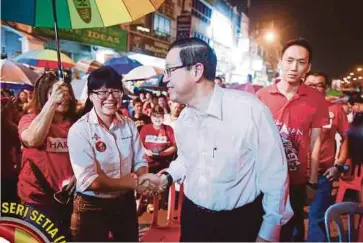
point(94, 149)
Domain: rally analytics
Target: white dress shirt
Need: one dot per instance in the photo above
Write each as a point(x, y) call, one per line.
point(94, 148)
point(230, 154)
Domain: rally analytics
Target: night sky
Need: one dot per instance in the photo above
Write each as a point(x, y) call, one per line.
point(333, 27)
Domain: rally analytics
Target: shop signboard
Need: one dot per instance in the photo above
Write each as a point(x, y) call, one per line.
point(183, 26)
point(111, 37)
point(149, 46)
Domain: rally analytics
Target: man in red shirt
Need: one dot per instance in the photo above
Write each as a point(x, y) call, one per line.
point(328, 165)
point(139, 118)
point(299, 112)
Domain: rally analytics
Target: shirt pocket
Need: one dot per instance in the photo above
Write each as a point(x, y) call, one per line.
point(225, 165)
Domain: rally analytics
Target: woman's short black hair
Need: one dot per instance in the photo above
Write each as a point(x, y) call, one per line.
point(104, 76)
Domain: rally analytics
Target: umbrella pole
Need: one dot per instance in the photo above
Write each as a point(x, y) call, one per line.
point(60, 68)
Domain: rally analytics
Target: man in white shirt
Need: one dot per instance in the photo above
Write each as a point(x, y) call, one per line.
point(229, 154)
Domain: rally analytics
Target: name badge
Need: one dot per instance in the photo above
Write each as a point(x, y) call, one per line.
point(57, 145)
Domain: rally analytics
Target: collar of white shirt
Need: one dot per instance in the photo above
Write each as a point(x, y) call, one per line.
point(93, 118)
point(215, 105)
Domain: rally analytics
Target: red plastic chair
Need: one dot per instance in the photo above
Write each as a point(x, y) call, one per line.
point(171, 231)
point(353, 183)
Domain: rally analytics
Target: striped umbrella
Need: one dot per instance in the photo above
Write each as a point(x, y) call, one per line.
point(75, 14)
point(123, 64)
point(143, 73)
point(14, 72)
point(87, 66)
point(44, 58)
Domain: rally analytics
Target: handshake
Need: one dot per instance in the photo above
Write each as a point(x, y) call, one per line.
point(150, 184)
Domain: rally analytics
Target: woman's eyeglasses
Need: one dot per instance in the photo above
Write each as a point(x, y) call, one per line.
point(103, 94)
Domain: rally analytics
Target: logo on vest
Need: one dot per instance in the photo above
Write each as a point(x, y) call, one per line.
point(57, 145)
point(101, 146)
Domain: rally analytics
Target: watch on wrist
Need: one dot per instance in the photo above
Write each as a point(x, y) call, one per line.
point(168, 177)
point(341, 168)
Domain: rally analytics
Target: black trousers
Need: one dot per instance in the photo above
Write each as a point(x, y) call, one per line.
point(93, 219)
point(201, 225)
point(294, 230)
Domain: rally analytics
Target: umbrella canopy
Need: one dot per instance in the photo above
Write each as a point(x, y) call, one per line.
point(68, 14)
point(154, 83)
point(122, 64)
point(17, 73)
point(76, 14)
point(44, 58)
point(143, 72)
point(87, 66)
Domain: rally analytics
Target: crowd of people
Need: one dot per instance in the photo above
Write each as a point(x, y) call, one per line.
point(245, 158)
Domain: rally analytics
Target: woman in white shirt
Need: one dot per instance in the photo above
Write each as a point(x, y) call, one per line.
point(107, 156)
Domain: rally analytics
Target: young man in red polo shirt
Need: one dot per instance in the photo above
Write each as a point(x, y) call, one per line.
point(329, 167)
point(299, 112)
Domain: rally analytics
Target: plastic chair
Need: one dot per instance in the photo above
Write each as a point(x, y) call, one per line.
point(334, 213)
point(354, 184)
point(174, 214)
point(171, 231)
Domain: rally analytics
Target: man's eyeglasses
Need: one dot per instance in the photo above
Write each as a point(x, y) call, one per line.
point(169, 70)
point(320, 85)
point(103, 94)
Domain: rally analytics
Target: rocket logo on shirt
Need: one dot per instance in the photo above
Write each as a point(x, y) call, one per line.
point(101, 146)
point(57, 145)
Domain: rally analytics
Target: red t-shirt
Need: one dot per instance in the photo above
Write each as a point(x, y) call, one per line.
point(125, 112)
point(52, 159)
point(156, 140)
point(338, 123)
point(294, 118)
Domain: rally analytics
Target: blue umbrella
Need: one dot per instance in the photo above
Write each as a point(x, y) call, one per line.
point(123, 64)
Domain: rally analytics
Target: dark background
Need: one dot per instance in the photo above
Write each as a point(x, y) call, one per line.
point(334, 28)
